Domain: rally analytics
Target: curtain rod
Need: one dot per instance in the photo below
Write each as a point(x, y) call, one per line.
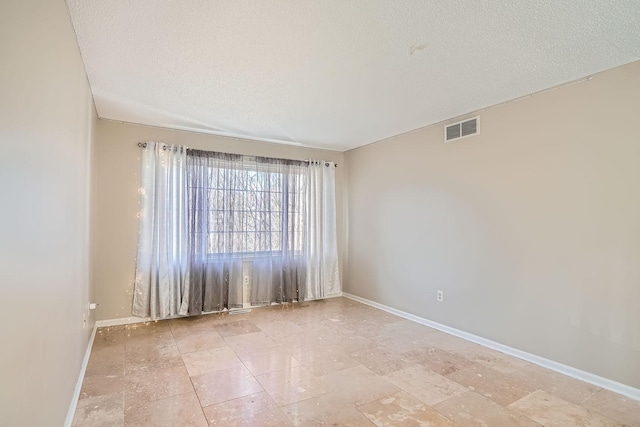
point(144, 145)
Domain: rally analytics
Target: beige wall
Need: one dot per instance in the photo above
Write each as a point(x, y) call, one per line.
point(531, 229)
point(118, 180)
point(46, 126)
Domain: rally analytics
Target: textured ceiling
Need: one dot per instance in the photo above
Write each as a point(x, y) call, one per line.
point(337, 74)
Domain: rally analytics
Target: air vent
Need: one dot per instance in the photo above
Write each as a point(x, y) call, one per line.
point(461, 129)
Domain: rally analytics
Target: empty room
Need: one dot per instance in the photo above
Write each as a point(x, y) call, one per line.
point(320, 213)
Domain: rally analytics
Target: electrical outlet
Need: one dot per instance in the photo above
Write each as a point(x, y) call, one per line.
point(246, 280)
point(440, 296)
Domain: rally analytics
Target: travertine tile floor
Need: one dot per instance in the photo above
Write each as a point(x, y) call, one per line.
point(326, 363)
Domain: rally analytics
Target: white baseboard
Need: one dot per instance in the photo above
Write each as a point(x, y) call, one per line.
point(570, 371)
point(133, 319)
point(122, 321)
point(83, 369)
point(338, 295)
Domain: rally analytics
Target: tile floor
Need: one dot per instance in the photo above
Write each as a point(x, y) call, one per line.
point(333, 362)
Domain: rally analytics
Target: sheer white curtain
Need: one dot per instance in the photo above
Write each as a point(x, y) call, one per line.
point(207, 219)
point(323, 277)
point(280, 214)
point(246, 216)
point(161, 286)
point(216, 204)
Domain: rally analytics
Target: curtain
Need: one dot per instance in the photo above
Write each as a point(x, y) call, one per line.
point(161, 287)
point(215, 203)
point(209, 219)
point(245, 213)
point(323, 278)
point(278, 261)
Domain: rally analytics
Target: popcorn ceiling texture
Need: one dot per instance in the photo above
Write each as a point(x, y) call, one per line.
point(337, 74)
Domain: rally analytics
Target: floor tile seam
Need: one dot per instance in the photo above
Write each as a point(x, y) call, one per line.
point(211, 371)
point(204, 416)
point(593, 409)
point(134, 375)
point(246, 367)
point(479, 394)
point(333, 371)
point(173, 341)
point(165, 398)
point(244, 333)
point(102, 394)
point(276, 370)
point(146, 335)
point(547, 389)
point(618, 388)
point(590, 396)
point(193, 333)
point(181, 360)
point(301, 400)
point(622, 423)
point(273, 397)
point(366, 402)
point(590, 409)
point(288, 336)
point(204, 349)
point(328, 350)
point(363, 414)
point(144, 402)
point(491, 371)
point(147, 363)
point(193, 386)
point(439, 412)
point(401, 390)
point(467, 389)
point(240, 354)
point(517, 411)
point(519, 369)
point(257, 377)
point(245, 396)
point(532, 420)
point(280, 408)
point(277, 406)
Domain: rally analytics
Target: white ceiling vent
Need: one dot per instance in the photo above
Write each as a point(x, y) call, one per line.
point(462, 129)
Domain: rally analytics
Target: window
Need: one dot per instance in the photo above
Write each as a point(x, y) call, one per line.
point(256, 208)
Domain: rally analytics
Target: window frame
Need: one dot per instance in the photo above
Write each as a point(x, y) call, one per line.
point(248, 166)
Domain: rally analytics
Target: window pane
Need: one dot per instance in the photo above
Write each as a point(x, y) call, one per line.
point(275, 181)
point(246, 212)
point(276, 241)
point(276, 221)
point(250, 221)
point(275, 199)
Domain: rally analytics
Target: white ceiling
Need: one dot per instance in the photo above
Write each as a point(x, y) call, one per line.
point(337, 74)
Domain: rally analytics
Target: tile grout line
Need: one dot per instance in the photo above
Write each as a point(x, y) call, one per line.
point(507, 407)
point(598, 381)
point(250, 373)
point(228, 400)
point(547, 383)
point(190, 378)
point(623, 424)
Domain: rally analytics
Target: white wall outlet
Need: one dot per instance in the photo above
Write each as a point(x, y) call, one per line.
point(246, 280)
point(439, 296)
